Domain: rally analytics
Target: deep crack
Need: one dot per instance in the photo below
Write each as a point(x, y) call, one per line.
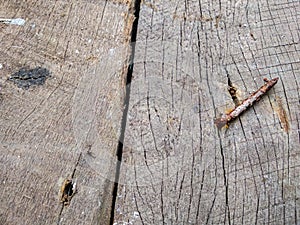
point(232, 91)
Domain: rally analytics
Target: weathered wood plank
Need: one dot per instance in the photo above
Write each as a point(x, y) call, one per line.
point(177, 168)
point(65, 127)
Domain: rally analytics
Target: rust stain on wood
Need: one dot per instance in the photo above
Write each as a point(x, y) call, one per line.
point(282, 115)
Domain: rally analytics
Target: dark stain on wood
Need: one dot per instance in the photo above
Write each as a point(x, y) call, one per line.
point(26, 78)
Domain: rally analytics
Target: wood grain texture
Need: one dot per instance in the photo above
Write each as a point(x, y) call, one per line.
point(68, 126)
point(177, 167)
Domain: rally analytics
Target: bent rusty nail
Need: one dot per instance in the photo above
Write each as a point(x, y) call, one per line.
point(254, 97)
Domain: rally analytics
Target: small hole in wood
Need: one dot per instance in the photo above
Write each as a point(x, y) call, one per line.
point(68, 189)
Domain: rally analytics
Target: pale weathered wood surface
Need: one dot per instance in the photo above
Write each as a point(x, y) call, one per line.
point(49, 132)
point(177, 167)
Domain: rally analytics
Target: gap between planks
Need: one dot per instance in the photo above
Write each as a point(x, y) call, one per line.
point(134, 10)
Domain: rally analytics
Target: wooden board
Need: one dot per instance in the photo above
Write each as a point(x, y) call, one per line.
point(67, 127)
point(177, 167)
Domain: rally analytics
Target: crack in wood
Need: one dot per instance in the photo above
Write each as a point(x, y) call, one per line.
point(68, 189)
point(232, 91)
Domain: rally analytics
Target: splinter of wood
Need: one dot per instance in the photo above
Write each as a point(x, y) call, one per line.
point(255, 97)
